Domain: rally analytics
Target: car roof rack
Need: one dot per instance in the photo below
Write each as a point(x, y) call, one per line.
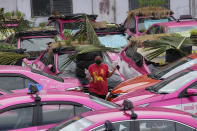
point(128, 105)
point(109, 126)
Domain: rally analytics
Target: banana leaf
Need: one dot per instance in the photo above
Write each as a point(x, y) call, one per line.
point(164, 43)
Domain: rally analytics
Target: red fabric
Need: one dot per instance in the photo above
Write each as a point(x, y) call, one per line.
point(99, 74)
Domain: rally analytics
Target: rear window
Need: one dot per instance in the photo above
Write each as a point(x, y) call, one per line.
point(103, 102)
point(47, 75)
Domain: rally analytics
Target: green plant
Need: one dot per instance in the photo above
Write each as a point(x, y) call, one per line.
point(42, 25)
point(193, 32)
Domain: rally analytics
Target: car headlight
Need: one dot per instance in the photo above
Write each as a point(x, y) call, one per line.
point(144, 105)
point(75, 89)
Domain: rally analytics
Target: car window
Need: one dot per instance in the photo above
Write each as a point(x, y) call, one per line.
point(58, 113)
point(122, 126)
point(132, 26)
point(81, 109)
point(156, 125)
point(56, 25)
point(181, 29)
point(11, 83)
point(181, 127)
point(61, 63)
point(36, 44)
point(176, 67)
point(152, 30)
point(77, 123)
point(16, 119)
point(119, 126)
point(182, 80)
point(193, 85)
point(47, 58)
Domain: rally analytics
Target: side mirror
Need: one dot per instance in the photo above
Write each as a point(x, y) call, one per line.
point(191, 92)
point(109, 126)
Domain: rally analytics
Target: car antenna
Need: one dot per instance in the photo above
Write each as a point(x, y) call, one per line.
point(33, 89)
point(128, 105)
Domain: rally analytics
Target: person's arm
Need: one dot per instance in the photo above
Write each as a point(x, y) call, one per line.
point(109, 74)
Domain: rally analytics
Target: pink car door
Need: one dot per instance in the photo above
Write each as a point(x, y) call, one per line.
point(132, 65)
point(189, 101)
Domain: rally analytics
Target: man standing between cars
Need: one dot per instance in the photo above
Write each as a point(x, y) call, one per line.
point(99, 74)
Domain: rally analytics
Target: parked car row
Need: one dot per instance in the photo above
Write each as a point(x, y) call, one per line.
point(46, 93)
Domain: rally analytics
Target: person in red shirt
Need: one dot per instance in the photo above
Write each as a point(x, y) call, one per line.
point(99, 74)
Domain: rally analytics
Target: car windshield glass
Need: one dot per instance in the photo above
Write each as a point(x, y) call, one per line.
point(47, 75)
point(175, 67)
point(36, 44)
point(175, 82)
point(103, 102)
point(114, 41)
point(72, 65)
point(72, 28)
point(61, 63)
point(75, 124)
point(181, 29)
point(145, 23)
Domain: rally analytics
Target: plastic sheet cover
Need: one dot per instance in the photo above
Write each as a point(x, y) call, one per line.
point(114, 41)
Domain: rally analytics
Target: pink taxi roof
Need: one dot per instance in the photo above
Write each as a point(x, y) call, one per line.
point(178, 24)
point(20, 98)
point(13, 67)
point(142, 113)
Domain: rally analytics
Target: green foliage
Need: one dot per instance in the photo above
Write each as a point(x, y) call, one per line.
point(193, 32)
point(10, 58)
point(42, 25)
point(143, 3)
point(4, 46)
point(157, 47)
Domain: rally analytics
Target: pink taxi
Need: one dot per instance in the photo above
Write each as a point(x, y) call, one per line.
point(40, 111)
point(128, 119)
point(139, 20)
point(54, 64)
point(16, 79)
point(67, 22)
point(178, 91)
point(173, 27)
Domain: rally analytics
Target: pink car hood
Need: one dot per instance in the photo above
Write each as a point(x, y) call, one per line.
point(72, 81)
point(139, 97)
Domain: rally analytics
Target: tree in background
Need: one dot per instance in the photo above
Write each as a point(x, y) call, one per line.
point(143, 3)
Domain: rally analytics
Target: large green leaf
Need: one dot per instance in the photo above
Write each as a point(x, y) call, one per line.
point(159, 46)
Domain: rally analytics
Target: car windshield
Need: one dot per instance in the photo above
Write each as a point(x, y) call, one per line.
point(114, 41)
point(47, 75)
point(75, 124)
point(174, 82)
point(61, 63)
point(145, 23)
point(73, 27)
point(36, 44)
point(175, 67)
point(103, 102)
point(181, 29)
point(62, 58)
